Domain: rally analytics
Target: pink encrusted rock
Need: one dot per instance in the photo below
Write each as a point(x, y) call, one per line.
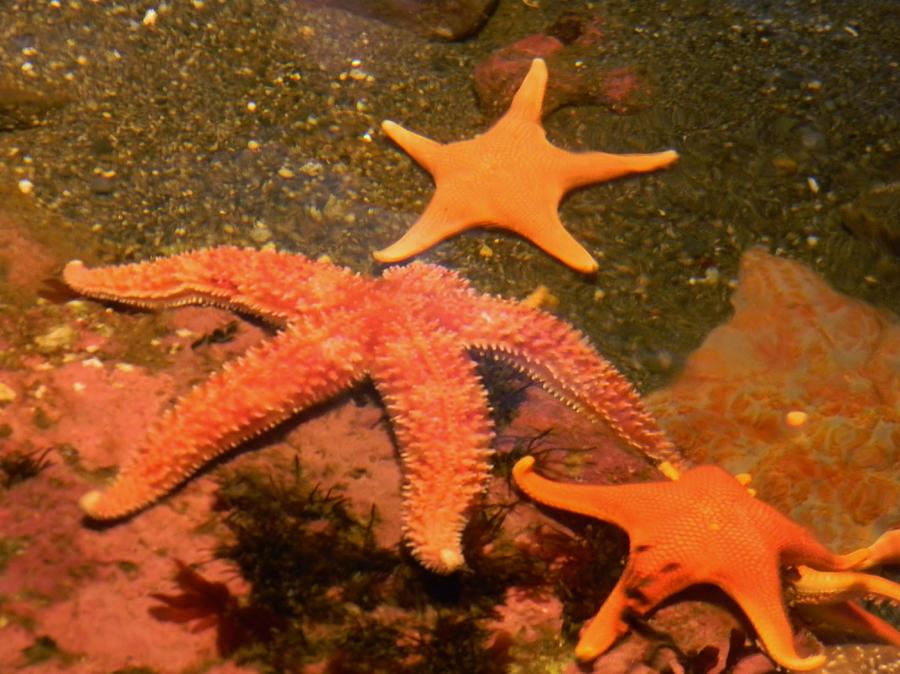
point(580, 72)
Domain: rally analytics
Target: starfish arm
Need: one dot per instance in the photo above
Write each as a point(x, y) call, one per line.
point(836, 586)
point(561, 359)
point(265, 283)
point(850, 617)
point(616, 504)
point(576, 169)
point(547, 232)
point(605, 627)
point(425, 151)
point(438, 410)
point(300, 367)
point(528, 100)
point(761, 600)
point(885, 550)
point(443, 218)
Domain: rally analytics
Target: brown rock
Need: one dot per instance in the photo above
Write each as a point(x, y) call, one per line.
point(579, 71)
point(444, 19)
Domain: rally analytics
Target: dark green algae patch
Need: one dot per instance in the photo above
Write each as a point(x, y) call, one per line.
point(323, 591)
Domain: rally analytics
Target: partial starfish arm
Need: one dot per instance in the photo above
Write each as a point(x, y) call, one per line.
point(831, 594)
point(562, 360)
point(617, 504)
point(605, 627)
point(265, 283)
point(438, 408)
point(820, 587)
point(584, 168)
point(424, 150)
point(886, 550)
point(442, 218)
point(301, 366)
point(528, 101)
point(852, 618)
point(759, 596)
point(547, 231)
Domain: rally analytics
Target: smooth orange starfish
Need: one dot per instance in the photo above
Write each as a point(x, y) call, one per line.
point(706, 527)
point(410, 331)
point(512, 177)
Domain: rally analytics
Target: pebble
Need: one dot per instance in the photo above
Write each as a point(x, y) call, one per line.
point(60, 337)
point(7, 395)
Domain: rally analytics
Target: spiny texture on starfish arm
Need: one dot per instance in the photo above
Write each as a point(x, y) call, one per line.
point(410, 331)
point(512, 177)
point(705, 527)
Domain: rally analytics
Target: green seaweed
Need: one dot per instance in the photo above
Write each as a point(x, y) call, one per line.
point(18, 466)
point(45, 648)
point(352, 604)
point(346, 603)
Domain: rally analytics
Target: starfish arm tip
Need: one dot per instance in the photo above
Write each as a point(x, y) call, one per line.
point(523, 466)
point(89, 501)
point(798, 664)
point(389, 254)
point(71, 271)
point(451, 560)
point(586, 652)
point(667, 158)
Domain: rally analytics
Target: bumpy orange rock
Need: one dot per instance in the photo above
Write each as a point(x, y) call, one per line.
point(800, 388)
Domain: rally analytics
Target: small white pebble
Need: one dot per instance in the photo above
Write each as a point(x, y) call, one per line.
point(78, 387)
point(150, 17)
point(26, 186)
point(92, 362)
point(813, 184)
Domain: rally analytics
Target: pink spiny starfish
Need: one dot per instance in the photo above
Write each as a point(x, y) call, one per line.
point(411, 331)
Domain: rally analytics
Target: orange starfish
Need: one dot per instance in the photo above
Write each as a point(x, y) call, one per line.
point(410, 331)
point(512, 177)
point(705, 527)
